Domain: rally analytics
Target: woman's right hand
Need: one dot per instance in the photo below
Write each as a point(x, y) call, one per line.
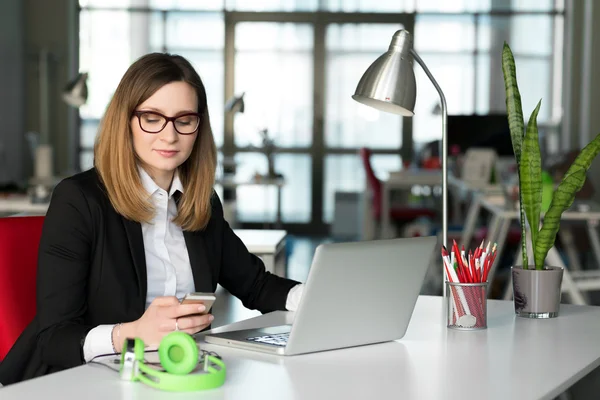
point(163, 316)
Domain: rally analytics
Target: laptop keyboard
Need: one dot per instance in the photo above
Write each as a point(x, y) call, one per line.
point(279, 339)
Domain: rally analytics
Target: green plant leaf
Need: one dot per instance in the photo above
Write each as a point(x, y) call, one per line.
point(563, 198)
point(530, 170)
point(517, 128)
point(513, 101)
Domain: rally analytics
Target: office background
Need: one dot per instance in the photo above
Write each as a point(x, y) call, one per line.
point(298, 63)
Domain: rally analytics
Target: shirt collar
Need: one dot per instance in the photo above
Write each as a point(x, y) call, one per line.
point(151, 186)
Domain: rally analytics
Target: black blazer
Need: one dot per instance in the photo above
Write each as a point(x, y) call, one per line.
point(92, 271)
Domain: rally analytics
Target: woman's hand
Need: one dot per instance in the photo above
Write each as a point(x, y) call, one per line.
point(164, 315)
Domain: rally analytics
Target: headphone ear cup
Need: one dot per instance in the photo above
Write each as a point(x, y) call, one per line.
point(178, 353)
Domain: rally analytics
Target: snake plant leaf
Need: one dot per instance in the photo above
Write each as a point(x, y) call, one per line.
point(563, 198)
point(516, 125)
point(513, 101)
point(530, 172)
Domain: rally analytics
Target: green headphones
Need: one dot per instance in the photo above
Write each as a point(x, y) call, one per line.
point(178, 355)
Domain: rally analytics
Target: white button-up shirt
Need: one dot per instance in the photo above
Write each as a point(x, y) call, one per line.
point(167, 261)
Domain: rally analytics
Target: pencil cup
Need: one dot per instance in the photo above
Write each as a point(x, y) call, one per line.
point(466, 305)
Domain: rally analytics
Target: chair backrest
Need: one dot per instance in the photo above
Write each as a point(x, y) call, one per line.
point(19, 242)
point(372, 180)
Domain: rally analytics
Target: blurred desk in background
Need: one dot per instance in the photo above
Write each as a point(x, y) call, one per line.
point(267, 244)
point(233, 182)
point(21, 204)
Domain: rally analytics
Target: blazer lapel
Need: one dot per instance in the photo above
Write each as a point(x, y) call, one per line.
point(196, 248)
point(136, 245)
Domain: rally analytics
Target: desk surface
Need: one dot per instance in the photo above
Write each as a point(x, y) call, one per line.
point(486, 188)
point(21, 204)
point(581, 210)
point(412, 177)
point(261, 241)
point(515, 358)
point(232, 182)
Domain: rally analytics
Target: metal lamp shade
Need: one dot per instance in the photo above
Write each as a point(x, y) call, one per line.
point(389, 83)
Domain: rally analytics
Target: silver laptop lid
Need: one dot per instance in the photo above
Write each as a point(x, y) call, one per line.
point(360, 293)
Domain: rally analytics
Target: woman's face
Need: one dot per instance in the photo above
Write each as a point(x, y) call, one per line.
point(161, 153)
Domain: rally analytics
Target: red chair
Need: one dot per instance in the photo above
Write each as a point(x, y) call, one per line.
point(402, 214)
point(19, 241)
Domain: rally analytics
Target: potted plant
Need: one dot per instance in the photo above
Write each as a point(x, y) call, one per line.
point(537, 286)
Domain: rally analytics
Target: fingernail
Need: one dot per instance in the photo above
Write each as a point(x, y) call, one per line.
point(201, 307)
point(210, 317)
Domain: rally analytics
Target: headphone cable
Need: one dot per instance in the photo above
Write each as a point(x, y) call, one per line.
point(117, 360)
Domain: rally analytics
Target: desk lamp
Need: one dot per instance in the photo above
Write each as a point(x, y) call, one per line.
point(389, 85)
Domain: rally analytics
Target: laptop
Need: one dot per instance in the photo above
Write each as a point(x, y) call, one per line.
point(356, 294)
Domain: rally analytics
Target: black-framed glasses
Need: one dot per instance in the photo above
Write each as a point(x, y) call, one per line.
point(154, 122)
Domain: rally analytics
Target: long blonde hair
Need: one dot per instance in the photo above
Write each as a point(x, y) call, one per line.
point(115, 159)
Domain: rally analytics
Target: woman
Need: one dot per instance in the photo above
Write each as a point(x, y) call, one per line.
point(124, 240)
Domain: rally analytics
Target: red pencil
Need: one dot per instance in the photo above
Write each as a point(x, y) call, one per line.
point(492, 258)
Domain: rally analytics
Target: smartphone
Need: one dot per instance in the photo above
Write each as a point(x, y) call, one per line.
point(200, 298)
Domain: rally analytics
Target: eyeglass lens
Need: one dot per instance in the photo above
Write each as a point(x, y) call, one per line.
point(154, 123)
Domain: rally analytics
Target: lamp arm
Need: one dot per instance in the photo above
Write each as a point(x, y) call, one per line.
point(444, 150)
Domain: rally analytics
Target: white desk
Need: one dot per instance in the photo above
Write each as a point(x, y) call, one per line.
point(235, 182)
point(574, 279)
point(267, 244)
point(515, 358)
point(16, 204)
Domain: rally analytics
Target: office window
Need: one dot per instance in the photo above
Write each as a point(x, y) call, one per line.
point(444, 33)
point(533, 58)
point(272, 5)
point(382, 6)
point(194, 31)
point(105, 3)
point(274, 69)
point(106, 52)
point(258, 203)
point(350, 49)
point(457, 6)
point(468, 66)
point(254, 202)
point(455, 77)
point(446, 45)
point(186, 4)
point(296, 194)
